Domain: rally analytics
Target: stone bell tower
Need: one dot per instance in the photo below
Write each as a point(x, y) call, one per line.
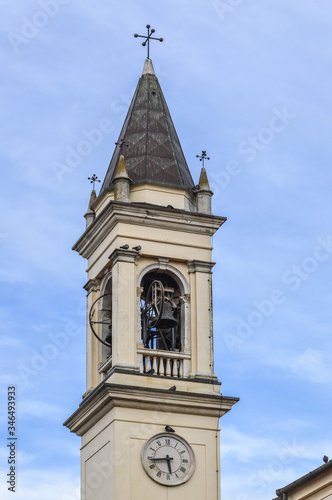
point(149, 420)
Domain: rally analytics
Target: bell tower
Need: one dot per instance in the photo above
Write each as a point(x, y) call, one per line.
point(149, 420)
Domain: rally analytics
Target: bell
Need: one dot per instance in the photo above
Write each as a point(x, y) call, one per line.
point(108, 338)
point(167, 319)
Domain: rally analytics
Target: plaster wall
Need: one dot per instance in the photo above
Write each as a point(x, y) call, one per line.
point(179, 245)
point(111, 456)
point(153, 194)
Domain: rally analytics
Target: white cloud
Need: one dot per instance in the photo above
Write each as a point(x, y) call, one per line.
point(40, 409)
point(310, 364)
point(57, 484)
point(238, 445)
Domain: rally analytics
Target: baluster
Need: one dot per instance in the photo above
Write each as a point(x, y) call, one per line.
point(176, 367)
point(180, 368)
point(152, 362)
point(168, 368)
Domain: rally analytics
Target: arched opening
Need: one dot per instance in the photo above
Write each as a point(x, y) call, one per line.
point(105, 312)
point(161, 312)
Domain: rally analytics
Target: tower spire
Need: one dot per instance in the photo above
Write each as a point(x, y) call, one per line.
point(154, 154)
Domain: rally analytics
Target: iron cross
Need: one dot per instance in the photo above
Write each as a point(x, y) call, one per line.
point(121, 143)
point(202, 157)
point(148, 38)
point(93, 180)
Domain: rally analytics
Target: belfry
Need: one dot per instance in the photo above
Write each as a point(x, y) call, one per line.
point(149, 420)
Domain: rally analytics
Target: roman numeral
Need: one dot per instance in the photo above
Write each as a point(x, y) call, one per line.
point(182, 469)
point(184, 451)
point(185, 461)
point(152, 466)
point(168, 477)
point(167, 441)
point(158, 443)
point(159, 474)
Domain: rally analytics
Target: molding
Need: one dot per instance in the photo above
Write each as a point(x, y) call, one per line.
point(144, 215)
point(166, 267)
point(200, 266)
point(163, 262)
point(204, 376)
point(92, 285)
point(120, 255)
point(105, 366)
point(185, 298)
point(108, 396)
point(159, 353)
point(105, 279)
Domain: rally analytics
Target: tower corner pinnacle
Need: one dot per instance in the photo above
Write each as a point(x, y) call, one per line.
point(121, 181)
point(204, 181)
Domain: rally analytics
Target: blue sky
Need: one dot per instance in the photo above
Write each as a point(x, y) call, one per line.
point(248, 81)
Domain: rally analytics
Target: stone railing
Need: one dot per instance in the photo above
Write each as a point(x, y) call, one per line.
point(104, 367)
point(165, 363)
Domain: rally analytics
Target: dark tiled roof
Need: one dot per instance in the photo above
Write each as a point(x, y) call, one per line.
point(154, 152)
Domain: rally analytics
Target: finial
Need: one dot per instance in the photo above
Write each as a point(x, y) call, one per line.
point(202, 157)
point(148, 38)
point(93, 180)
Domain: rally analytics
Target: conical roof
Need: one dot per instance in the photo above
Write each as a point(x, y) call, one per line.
point(154, 152)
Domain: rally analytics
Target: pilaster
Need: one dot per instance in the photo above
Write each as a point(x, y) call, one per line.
point(124, 353)
point(201, 318)
point(92, 345)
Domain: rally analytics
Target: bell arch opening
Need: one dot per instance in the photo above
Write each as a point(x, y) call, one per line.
point(161, 310)
point(105, 315)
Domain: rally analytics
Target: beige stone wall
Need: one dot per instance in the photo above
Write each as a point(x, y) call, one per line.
point(111, 456)
point(154, 194)
point(176, 243)
point(117, 418)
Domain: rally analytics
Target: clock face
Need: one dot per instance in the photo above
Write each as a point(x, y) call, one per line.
point(168, 459)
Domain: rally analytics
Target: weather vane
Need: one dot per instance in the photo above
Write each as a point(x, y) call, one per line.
point(202, 157)
point(121, 143)
point(93, 180)
point(148, 38)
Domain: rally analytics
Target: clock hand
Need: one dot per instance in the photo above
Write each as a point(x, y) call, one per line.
point(169, 463)
point(167, 458)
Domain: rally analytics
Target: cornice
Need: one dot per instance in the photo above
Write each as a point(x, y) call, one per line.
point(92, 285)
point(200, 266)
point(144, 215)
point(120, 255)
point(108, 396)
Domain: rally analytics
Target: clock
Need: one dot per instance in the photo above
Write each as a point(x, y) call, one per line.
point(168, 459)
